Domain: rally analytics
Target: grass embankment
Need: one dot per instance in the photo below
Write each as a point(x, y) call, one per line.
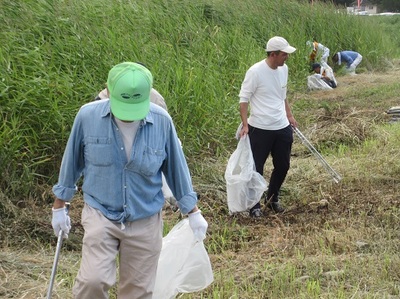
point(55, 56)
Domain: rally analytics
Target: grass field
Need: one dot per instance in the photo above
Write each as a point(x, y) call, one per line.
point(348, 248)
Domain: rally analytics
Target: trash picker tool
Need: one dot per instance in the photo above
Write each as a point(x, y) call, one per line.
point(336, 177)
point(56, 257)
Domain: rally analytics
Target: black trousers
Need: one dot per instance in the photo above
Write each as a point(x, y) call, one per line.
point(278, 143)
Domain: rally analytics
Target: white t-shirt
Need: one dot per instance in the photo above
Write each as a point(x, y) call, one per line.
point(325, 52)
point(265, 91)
point(128, 133)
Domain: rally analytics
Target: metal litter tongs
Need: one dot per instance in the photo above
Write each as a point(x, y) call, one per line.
point(56, 257)
point(336, 177)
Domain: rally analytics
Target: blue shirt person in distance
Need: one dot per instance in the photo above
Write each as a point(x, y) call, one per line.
point(351, 58)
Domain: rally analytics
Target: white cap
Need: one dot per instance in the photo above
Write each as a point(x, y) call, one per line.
point(278, 43)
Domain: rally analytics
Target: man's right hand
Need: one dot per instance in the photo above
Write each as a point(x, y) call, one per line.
point(61, 221)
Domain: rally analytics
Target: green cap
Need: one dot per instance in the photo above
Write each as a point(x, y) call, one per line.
point(129, 85)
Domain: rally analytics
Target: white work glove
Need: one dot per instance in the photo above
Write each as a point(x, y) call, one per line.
point(61, 221)
point(198, 225)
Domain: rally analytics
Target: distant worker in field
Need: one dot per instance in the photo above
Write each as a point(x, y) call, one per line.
point(351, 58)
point(269, 126)
point(323, 77)
point(319, 53)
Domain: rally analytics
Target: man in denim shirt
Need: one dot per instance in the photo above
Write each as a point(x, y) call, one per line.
point(120, 146)
point(156, 98)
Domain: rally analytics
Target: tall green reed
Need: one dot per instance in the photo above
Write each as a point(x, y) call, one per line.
point(55, 56)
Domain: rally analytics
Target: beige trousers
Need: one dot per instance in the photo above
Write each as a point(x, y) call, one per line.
point(138, 245)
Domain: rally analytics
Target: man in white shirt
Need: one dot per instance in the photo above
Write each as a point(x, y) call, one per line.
point(270, 123)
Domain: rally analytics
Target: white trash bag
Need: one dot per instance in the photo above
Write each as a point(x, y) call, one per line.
point(168, 195)
point(315, 82)
point(184, 265)
point(244, 185)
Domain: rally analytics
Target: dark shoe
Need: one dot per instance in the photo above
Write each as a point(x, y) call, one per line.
point(276, 207)
point(255, 213)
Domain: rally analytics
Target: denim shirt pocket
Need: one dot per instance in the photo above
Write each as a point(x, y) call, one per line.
point(98, 151)
point(151, 161)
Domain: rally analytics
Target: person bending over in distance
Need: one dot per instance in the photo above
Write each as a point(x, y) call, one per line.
point(269, 126)
point(319, 52)
point(120, 146)
point(325, 73)
point(351, 58)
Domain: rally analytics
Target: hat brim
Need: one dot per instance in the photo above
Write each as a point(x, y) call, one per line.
point(129, 111)
point(288, 49)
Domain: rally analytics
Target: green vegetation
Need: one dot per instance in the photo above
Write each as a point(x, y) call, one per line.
point(55, 56)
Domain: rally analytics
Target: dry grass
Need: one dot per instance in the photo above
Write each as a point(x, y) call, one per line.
point(334, 238)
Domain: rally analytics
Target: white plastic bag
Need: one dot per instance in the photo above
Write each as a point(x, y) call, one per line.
point(315, 82)
point(165, 188)
point(325, 68)
point(169, 197)
point(184, 265)
point(244, 185)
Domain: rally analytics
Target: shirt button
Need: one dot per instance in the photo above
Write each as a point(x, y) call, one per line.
point(122, 148)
